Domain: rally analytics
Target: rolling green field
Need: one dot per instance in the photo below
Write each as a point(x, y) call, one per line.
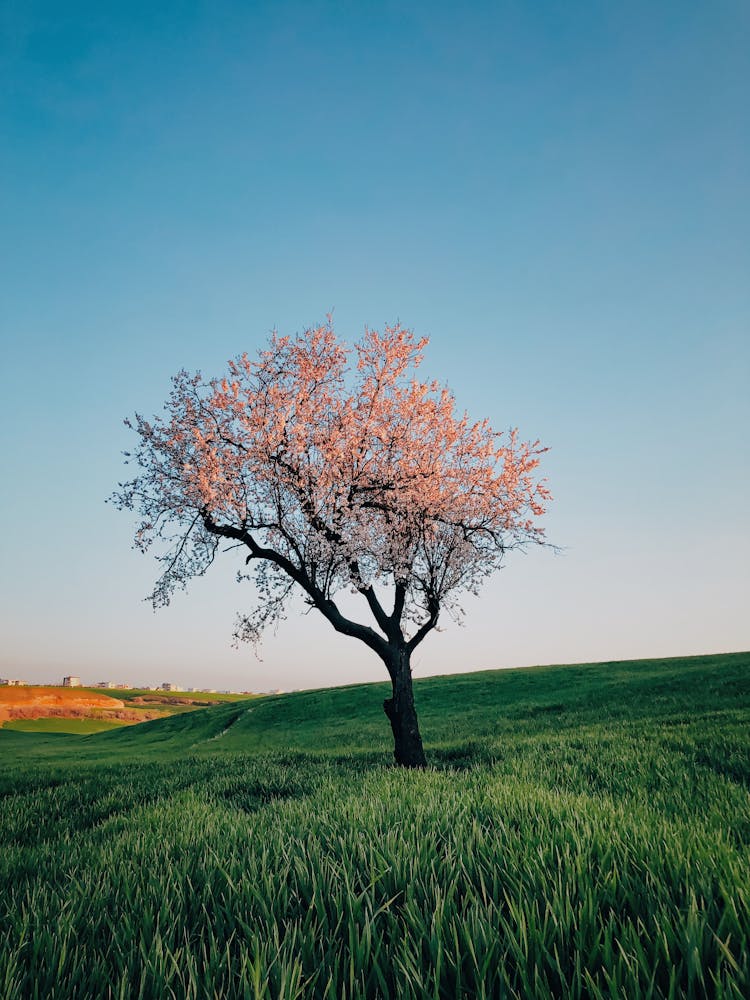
point(583, 831)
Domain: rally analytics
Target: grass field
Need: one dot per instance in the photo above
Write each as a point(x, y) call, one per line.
point(81, 727)
point(583, 831)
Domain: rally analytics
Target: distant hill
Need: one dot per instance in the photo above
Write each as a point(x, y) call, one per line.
point(32, 702)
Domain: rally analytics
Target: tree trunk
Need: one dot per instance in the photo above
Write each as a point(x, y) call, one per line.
point(408, 750)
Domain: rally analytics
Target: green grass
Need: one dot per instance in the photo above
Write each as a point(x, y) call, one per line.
point(583, 831)
point(81, 727)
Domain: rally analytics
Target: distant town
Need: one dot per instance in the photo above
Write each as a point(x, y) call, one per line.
point(71, 681)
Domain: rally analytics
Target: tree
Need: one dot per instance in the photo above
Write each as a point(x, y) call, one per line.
point(335, 477)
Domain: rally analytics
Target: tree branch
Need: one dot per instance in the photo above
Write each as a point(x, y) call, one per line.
point(434, 611)
point(399, 601)
point(324, 604)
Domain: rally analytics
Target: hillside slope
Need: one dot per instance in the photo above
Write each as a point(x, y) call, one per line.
point(33, 702)
point(490, 704)
point(487, 706)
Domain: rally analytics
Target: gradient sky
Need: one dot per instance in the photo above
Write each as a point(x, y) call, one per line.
point(556, 194)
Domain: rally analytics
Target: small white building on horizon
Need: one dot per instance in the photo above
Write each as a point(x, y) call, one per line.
point(72, 681)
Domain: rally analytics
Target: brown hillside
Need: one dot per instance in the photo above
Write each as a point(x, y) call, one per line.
point(41, 702)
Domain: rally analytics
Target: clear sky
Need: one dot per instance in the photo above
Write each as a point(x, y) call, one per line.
point(558, 195)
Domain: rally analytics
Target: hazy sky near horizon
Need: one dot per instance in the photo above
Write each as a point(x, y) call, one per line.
point(558, 195)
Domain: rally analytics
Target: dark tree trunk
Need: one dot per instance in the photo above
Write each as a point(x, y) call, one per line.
point(408, 750)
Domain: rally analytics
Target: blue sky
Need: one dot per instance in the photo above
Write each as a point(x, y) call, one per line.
point(558, 195)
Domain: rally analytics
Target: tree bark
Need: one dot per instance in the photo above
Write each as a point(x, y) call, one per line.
point(408, 750)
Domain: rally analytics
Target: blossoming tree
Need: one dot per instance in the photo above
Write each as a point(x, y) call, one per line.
point(337, 470)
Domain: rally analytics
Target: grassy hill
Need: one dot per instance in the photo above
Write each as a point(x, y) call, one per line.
point(483, 707)
point(584, 831)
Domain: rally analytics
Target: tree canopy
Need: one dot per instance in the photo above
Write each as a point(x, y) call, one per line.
point(338, 470)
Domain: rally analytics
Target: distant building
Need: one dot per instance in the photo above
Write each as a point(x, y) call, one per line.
point(208, 690)
point(71, 682)
point(170, 687)
point(11, 682)
point(106, 684)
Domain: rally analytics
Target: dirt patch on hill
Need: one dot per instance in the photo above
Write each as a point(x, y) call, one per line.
point(65, 703)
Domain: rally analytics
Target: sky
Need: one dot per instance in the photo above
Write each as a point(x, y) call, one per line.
point(557, 195)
